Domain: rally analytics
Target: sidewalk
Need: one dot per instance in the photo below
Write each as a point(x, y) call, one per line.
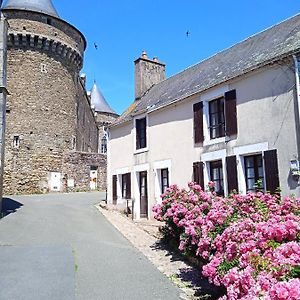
point(144, 235)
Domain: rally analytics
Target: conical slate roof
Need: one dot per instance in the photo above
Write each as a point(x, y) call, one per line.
point(98, 101)
point(42, 6)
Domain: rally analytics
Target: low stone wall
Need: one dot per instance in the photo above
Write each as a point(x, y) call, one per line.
point(77, 167)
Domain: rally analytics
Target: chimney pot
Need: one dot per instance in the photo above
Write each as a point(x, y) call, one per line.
point(144, 54)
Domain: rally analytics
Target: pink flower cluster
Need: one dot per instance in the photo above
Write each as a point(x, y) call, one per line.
point(250, 243)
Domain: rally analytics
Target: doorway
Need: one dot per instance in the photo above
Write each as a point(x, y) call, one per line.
point(55, 181)
point(114, 189)
point(93, 178)
point(143, 194)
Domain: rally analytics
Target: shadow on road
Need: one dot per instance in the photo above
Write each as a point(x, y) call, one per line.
point(9, 206)
point(191, 276)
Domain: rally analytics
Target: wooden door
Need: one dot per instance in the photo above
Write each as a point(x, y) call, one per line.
point(143, 195)
point(114, 186)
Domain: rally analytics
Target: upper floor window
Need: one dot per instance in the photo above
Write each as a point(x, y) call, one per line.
point(216, 176)
point(254, 172)
point(141, 133)
point(216, 118)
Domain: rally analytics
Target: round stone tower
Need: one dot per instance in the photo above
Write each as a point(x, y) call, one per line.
point(45, 55)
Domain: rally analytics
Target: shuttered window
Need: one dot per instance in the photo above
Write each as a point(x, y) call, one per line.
point(126, 186)
point(232, 177)
point(141, 133)
point(198, 123)
point(271, 171)
point(231, 113)
point(198, 173)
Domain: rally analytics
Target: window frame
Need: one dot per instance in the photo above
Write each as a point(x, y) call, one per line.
point(220, 114)
point(217, 165)
point(141, 133)
point(134, 135)
point(16, 142)
point(256, 172)
point(103, 145)
point(162, 177)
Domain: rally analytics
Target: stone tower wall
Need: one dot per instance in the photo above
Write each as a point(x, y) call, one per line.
point(87, 130)
point(3, 60)
point(43, 67)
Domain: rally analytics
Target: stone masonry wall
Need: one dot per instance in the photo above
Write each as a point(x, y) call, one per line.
point(3, 60)
point(41, 115)
point(36, 23)
point(87, 130)
point(77, 167)
point(103, 120)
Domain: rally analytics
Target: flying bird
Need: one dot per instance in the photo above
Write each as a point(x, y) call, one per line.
point(188, 34)
point(96, 46)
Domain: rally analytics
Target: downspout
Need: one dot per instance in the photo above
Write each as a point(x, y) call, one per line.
point(296, 63)
point(297, 85)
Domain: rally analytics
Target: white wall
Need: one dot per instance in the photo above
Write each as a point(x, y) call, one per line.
point(266, 116)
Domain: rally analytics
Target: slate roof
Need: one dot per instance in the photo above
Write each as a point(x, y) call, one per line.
point(98, 101)
point(259, 50)
point(43, 6)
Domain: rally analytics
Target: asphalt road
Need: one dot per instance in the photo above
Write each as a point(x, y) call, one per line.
point(60, 247)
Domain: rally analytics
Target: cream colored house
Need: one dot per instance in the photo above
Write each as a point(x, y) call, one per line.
point(232, 119)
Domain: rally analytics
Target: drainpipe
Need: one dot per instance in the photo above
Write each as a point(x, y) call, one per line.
point(297, 84)
point(296, 63)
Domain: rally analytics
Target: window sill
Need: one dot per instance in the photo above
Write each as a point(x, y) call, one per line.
point(141, 151)
point(214, 141)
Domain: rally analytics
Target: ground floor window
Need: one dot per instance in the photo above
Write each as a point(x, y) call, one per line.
point(126, 186)
point(164, 180)
point(216, 176)
point(254, 172)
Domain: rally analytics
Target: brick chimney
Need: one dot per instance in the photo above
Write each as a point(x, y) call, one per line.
point(148, 72)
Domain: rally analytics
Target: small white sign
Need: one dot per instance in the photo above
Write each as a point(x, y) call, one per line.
point(71, 183)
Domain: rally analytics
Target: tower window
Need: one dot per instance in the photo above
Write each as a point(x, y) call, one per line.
point(104, 145)
point(44, 68)
point(16, 142)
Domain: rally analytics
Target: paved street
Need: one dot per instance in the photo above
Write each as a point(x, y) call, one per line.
point(61, 247)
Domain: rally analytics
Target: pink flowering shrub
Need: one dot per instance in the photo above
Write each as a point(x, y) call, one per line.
point(250, 244)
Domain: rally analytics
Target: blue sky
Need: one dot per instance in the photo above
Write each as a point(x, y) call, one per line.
point(123, 29)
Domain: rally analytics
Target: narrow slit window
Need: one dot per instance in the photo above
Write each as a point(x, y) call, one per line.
point(104, 145)
point(16, 142)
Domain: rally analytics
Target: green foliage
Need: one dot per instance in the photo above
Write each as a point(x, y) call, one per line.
point(295, 273)
point(225, 266)
point(273, 244)
point(262, 208)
